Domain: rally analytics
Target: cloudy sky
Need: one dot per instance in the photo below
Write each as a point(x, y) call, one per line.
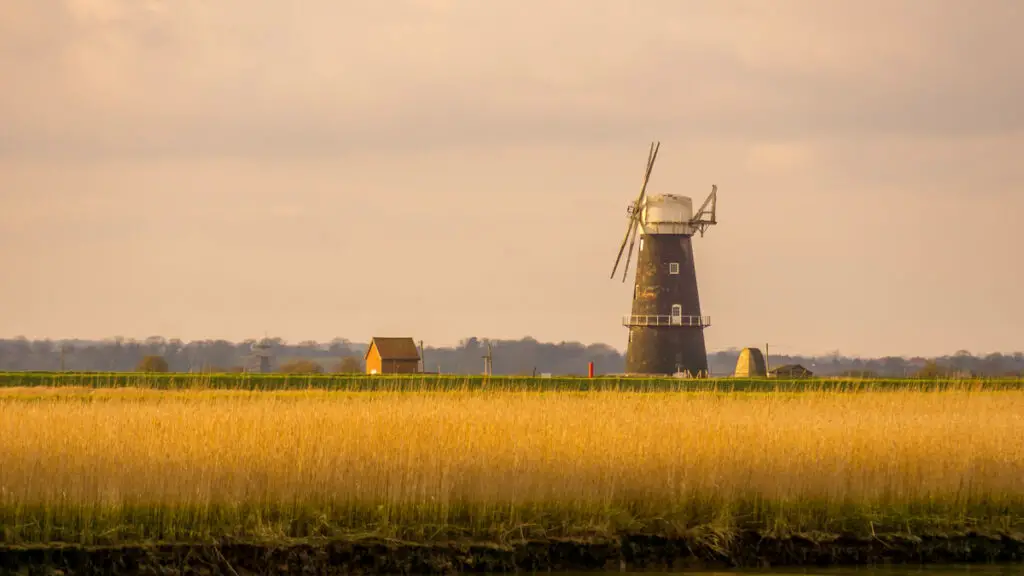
point(448, 168)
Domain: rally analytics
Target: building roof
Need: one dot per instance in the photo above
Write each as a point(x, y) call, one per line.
point(790, 368)
point(394, 348)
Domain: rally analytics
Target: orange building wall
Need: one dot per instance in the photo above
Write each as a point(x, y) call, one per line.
point(374, 362)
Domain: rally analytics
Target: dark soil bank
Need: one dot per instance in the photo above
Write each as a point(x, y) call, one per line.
point(630, 552)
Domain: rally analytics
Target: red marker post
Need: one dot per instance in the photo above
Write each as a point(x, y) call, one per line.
point(590, 369)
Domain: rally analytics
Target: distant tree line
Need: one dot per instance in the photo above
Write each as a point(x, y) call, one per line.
point(525, 357)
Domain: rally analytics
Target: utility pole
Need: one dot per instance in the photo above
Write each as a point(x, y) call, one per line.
point(766, 369)
point(423, 360)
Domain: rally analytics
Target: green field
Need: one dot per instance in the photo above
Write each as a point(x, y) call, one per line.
point(360, 382)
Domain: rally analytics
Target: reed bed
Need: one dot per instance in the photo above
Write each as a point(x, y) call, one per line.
point(462, 382)
point(99, 466)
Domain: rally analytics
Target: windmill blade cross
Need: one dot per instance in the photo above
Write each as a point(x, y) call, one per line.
point(652, 154)
point(651, 157)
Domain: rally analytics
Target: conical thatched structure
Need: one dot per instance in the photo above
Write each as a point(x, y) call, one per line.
point(750, 364)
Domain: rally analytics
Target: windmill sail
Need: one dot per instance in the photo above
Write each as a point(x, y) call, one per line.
point(634, 214)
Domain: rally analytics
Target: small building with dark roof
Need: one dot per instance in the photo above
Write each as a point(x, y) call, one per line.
point(392, 356)
point(790, 371)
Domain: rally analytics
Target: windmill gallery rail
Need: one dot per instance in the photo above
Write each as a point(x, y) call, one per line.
point(665, 320)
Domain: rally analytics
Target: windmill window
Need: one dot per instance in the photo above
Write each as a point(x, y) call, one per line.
point(673, 268)
point(641, 243)
point(636, 290)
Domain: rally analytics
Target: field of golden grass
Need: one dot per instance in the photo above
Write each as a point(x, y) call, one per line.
point(119, 465)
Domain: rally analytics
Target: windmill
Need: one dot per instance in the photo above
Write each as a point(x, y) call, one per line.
point(261, 358)
point(488, 358)
point(666, 328)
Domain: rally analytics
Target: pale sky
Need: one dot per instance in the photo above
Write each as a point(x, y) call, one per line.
point(451, 168)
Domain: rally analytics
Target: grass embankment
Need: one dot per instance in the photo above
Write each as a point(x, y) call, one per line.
point(114, 466)
point(455, 382)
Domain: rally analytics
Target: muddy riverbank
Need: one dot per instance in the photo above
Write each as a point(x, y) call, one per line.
point(625, 552)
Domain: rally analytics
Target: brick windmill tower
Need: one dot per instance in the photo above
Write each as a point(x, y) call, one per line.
point(666, 328)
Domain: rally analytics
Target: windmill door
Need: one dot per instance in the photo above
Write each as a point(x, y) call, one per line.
point(677, 315)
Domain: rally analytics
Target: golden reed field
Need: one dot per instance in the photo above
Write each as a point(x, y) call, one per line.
point(116, 465)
